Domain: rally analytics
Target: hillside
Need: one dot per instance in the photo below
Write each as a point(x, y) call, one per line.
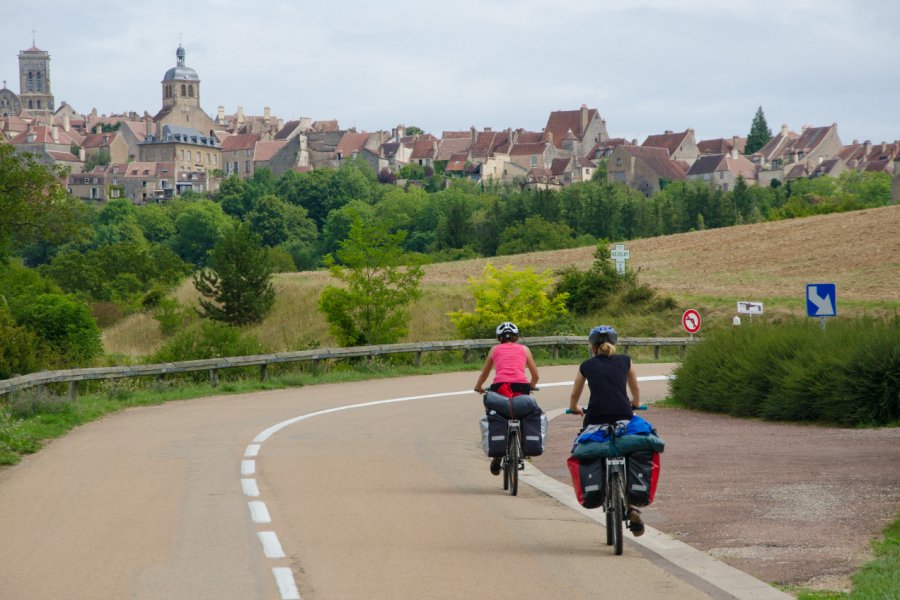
point(859, 251)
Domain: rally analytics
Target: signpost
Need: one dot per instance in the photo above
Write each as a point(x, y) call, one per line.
point(748, 308)
point(690, 320)
point(821, 301)
point(620, 254)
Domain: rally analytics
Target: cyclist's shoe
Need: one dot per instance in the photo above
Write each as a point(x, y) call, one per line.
point(495, 465)
point(636, 524)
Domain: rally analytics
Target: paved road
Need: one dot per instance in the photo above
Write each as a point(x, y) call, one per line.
point(199, 499)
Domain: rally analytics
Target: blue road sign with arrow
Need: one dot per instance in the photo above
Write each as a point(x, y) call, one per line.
point(821, 300)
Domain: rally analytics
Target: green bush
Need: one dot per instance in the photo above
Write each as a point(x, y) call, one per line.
point(21, 351)
point(66, 325)
point(847, 374)
point(517, 296)
point(208, 339)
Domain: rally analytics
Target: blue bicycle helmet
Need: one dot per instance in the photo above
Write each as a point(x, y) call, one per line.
point(602, 333)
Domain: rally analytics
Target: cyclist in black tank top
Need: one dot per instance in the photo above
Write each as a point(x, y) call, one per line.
point(607, 375)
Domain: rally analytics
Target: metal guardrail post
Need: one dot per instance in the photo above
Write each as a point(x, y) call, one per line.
point(73, 391)
point(214, 377)
point(263, 372)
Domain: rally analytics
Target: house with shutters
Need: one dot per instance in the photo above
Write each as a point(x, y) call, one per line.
point(111, 144)
point(721, 171)
point(237, 154)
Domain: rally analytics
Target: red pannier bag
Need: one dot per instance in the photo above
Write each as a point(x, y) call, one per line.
point(589, 480)
point(643, 475)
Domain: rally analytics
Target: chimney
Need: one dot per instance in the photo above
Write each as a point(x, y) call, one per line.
point(220, 116)
point(668, 132)
point(473, 133)
point(267, 115)
point(867, 147)
point(81, 154)
point(66, 122)
point(54, 133)
point(584, 118)
point(634, 141)
point(734, 153)
point(784, 130)
point(884, 147)
point(509, 136)
point(855, 143)
point(149, 123)
point(735, 141)
point(240, 114)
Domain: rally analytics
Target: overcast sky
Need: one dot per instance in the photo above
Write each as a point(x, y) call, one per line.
point(646, 65)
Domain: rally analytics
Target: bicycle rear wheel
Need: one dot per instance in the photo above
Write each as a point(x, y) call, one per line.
point(512, 462)
point(617, 508)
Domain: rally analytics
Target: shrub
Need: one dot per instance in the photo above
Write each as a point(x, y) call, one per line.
point(66, 325)
point(208, 339)
point(848, 374)
point(21, 351)
point(510, 295)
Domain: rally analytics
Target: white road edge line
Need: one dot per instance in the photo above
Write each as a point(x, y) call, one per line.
point(258, 512)
point(271, 545)
point(286, 586)
point(249, 487)
point(284, 576)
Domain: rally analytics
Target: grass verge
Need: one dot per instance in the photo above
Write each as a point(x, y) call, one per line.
point(876, 580)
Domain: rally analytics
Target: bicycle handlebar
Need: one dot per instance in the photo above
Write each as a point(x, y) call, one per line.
point(641, 407)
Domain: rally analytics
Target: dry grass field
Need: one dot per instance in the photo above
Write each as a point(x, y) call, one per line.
point(771, 262)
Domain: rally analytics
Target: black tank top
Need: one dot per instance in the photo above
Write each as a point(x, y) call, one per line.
point(607, 377)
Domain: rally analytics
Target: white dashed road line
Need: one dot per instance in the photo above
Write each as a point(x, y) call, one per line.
point(271, 545)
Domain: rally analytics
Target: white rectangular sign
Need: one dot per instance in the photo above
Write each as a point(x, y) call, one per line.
point(750, 308)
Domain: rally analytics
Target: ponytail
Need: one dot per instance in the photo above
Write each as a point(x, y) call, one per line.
point(606, 349)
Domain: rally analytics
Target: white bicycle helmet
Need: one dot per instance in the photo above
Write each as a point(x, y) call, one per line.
point(507, 330)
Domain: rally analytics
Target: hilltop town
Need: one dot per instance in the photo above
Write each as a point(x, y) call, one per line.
point(152, 158)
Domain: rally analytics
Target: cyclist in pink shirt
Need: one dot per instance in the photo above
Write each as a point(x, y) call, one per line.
point(508, 359)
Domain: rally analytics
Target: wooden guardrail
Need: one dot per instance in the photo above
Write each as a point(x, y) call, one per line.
point(213, 365)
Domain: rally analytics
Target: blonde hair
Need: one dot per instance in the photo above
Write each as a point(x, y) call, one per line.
point(606, 349)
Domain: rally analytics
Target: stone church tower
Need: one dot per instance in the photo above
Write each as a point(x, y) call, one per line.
point(181, 99)
point(34, 81)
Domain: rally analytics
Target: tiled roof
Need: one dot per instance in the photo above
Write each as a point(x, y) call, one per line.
point(657, 159)
point(351, 142)
point(264, 151)
point(244, 141)
point(138, 128)
point(286, 131)
point(560, 165)
point(455, 135)
point(669, 141)
point(44, 135)
point(561, 121)
point(721, 145)
point(810, 138)
point(775, 146)
point(63, 156)
point(99, 140)
point(528, 149)
point(457, 162)
point(450, 146)
point(529, 137)
point(423, 149)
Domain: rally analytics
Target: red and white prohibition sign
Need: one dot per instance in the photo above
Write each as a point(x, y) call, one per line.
point(690, 320)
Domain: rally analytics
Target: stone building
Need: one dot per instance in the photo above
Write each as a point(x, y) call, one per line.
point(35, 94)
point(10, 105)
point(181, 100)
point(187, 148)
point(645, 169)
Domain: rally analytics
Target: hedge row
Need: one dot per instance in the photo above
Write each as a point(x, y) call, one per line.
point(846, 374)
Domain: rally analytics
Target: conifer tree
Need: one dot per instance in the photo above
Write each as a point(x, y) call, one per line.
point(237, 285)
point(760, 133)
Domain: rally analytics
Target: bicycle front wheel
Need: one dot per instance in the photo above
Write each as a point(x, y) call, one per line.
point(512, 462)
point(617, 508)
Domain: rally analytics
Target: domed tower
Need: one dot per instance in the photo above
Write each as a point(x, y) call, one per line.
point(181, 84)
point(181, 99)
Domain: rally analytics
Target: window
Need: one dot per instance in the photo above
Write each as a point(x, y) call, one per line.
point(721, 174)
point(183, 90)
point(181, 154)
point(215, 159)
point(246, 166)
point(189, 156)
point(534, 161)
point(96, 180)
point(143, 183)
point(191, 91)
point(93, 193)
